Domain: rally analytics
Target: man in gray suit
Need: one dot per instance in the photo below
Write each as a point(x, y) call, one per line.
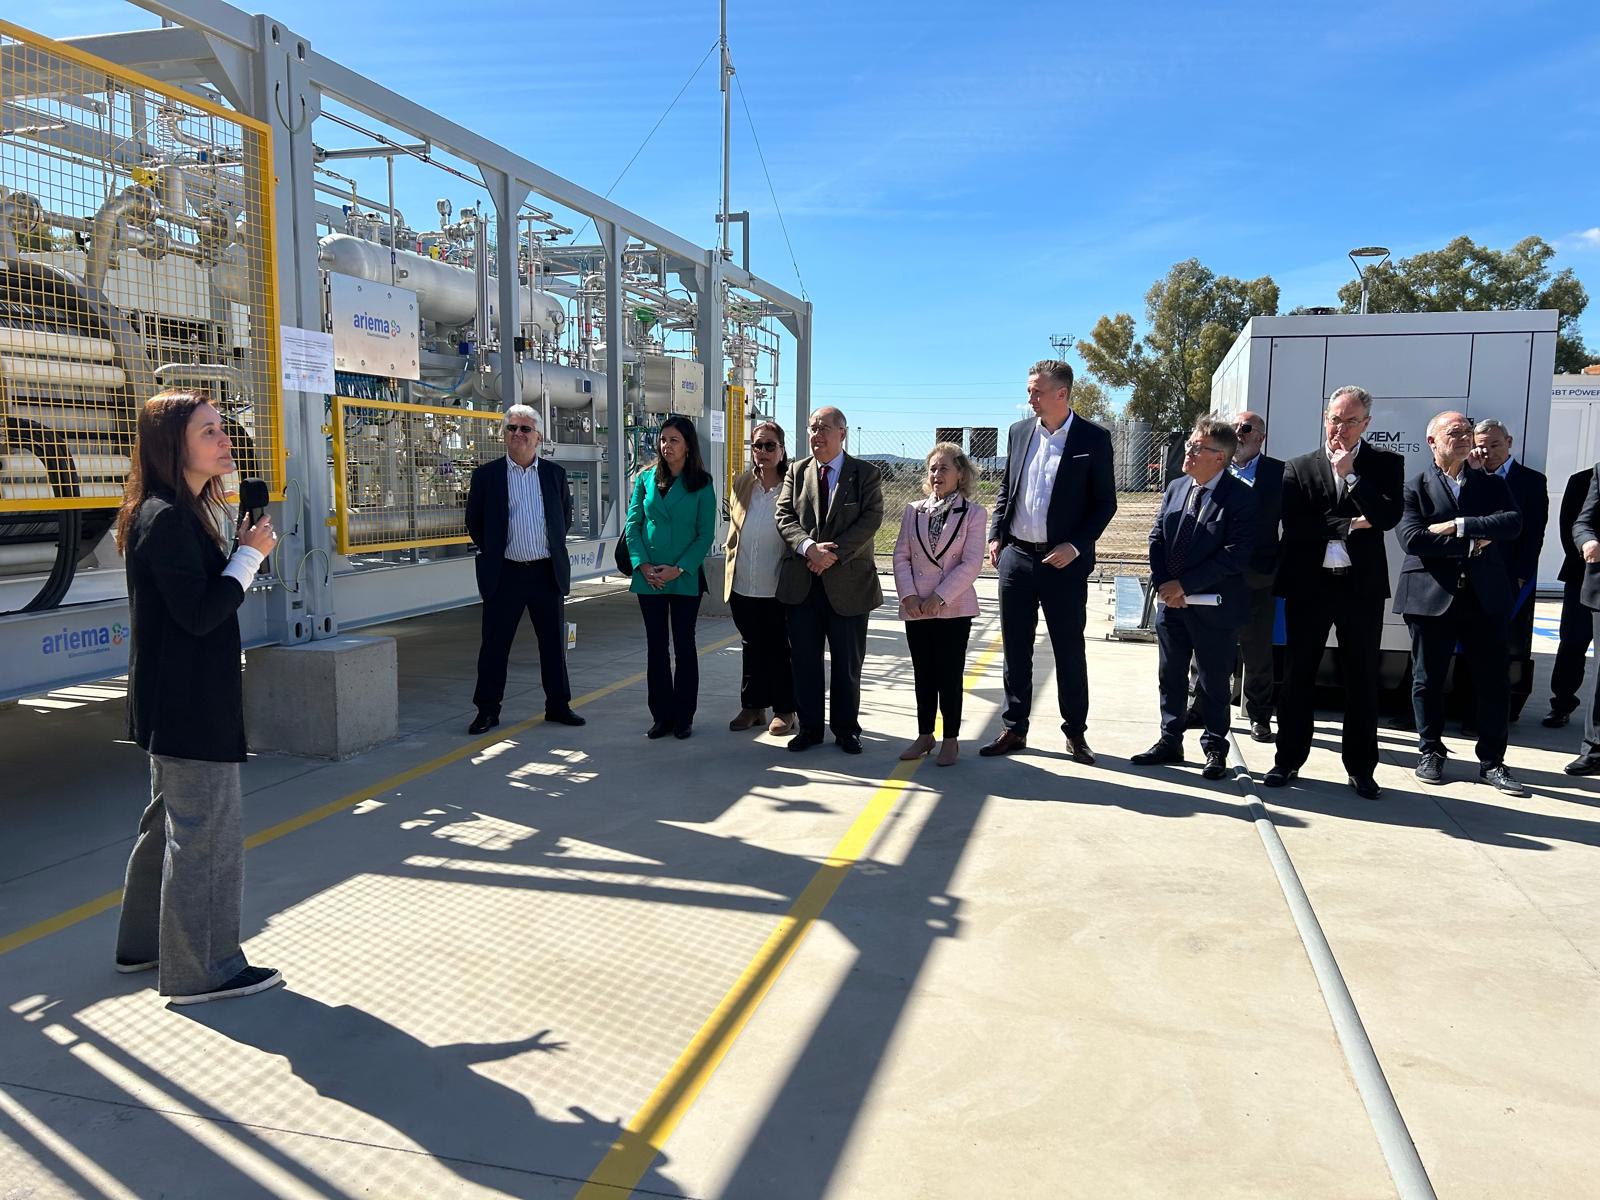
point(829, 509)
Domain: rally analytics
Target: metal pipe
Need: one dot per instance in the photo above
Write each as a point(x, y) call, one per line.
point(110, 230)
point(415, 149)
point(727, 128)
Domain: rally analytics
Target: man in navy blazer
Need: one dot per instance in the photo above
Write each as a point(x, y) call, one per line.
point(1056, 499)
point(1200, 548)
point(1586, 540)
point(518, 513)
point(1577, 622)
point(1455, 587)
point(1531, 491)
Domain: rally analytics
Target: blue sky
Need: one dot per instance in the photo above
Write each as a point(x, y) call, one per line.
point(963, 181)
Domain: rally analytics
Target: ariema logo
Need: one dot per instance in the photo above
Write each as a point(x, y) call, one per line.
point(380, 326)
point(73, 642)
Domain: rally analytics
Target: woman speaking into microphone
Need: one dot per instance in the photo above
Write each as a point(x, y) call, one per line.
point(185, 881)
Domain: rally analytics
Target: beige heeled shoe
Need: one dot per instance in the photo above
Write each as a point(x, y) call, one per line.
point(949, 751)
point(782, 723)
point(917, 749)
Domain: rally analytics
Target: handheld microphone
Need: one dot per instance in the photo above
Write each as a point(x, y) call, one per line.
point(253, 497)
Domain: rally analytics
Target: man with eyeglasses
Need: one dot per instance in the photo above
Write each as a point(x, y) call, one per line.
point(1264, 475)
point(518, 513)
point(1531, 491)
point(1057, 497)
point(829, 508)
point(1333, 574)
point(1200, 546)
point(1455, 589)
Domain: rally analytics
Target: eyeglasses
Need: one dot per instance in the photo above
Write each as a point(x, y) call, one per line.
point(1243, 428)
point(522, 428)
point(764, 445)
point(1457, 431)
point(819, 426)
point(1200, 448)
point(1347, 422)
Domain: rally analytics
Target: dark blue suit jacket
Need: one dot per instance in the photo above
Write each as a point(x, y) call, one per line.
point(1219, 551)
point(489, 521)
point(1083, 498)
point(1431, 573)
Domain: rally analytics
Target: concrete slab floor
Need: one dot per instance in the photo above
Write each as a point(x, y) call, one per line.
point(1035, 980)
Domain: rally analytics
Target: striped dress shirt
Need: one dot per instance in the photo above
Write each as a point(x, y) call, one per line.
point(526, 538)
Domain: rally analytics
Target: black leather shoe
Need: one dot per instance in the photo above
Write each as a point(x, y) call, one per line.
point(1261, 731)
point(659, 730)
point(1364, 786)
point(1078, 750)
point(1278, 776)
point(1162, 752)
point(565, 717)
point(1584, 764)
point(1216, 765)
point(686, 731)
point(486, 720)
point(1555, 720)
point(804, 741)
point(1006, 743)
point(850, 743)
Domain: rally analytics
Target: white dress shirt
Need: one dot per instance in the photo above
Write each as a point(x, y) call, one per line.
point(1042, 461)
point(755, 566)
point(1337, 555)
point(526, 537)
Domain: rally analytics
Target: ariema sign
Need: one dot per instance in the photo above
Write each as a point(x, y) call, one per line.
point(378, 326)
point(76, 642)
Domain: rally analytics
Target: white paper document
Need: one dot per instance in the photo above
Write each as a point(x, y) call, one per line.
point(1203, 599)
point(307, 360)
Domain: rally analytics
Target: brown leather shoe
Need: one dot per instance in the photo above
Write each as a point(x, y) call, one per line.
point(748, 718)
point(1078, 750)
point(1006, 743)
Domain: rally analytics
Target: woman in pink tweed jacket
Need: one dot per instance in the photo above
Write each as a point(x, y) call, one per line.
point(936, 562)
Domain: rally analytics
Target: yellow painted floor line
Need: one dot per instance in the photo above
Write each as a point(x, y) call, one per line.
point(647, 1132)
point(93, 908)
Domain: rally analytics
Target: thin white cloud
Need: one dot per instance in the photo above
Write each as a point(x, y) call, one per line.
point(1583, 239)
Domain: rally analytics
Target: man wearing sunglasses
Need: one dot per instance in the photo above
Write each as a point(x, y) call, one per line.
point(1264, 474)
point(518, 513)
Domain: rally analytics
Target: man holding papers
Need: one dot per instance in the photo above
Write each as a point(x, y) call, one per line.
point(1199, 548)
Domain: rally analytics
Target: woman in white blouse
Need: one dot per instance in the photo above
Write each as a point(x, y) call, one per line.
point(755, 549)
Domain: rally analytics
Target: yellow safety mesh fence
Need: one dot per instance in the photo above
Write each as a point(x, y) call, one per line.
point(135, 255)
point(402, 471)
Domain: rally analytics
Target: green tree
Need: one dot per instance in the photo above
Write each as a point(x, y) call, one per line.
point(1193, 316)
point(1467, 277)
point(1090, 400)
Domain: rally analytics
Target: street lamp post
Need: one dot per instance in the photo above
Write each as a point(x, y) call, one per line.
point(1381, 253)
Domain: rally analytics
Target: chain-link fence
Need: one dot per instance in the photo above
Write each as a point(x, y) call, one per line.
point(1142, 463)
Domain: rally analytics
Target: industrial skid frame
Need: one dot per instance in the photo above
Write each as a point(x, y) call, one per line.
point(270, 72)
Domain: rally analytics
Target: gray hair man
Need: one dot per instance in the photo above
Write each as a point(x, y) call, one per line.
point(1531, 490)
point(518, 512)
point(1333, 574)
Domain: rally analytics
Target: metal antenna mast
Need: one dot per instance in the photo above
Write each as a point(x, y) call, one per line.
point(727, 129)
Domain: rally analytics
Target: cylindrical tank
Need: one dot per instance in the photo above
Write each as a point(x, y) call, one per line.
point(445, 293)
point(570, 387)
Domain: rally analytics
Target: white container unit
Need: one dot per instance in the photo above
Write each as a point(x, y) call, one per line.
point(1574, 446)
point(1485, 364)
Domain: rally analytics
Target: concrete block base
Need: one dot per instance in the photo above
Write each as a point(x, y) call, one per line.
point(327, 699)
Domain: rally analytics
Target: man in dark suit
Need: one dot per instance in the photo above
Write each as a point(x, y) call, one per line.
point(1577, 622)
point(1455, 587)
point(1586, 537)
point(518, 512)
point(1200, 545)
point(1531, 491)
point(1333, 573)
point(1057, 497)
point(829, 508)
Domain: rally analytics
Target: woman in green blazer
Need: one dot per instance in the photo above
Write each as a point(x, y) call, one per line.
point(671, 521)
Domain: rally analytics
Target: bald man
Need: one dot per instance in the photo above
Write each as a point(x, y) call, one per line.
point(1459, 525)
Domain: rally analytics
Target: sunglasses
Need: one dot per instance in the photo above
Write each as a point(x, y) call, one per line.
point(764, 445)
point(1244, 427)
point(521, 428)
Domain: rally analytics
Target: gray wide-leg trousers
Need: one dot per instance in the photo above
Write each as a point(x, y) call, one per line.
point(185, 882)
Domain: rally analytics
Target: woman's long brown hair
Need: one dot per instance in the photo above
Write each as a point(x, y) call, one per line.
point(158, 455)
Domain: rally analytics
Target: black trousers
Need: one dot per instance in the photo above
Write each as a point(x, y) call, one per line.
point(1577, 631)
point(531, 588)
point(672, 673)
point(1257, 685)
point(1027, 585)
point(1591, 724)
point(1519, 648)
point(1358, 620)
point(766, 678)
point(938, 648)
point(1483, 641)
point(813, 623)
point(1182, 636)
